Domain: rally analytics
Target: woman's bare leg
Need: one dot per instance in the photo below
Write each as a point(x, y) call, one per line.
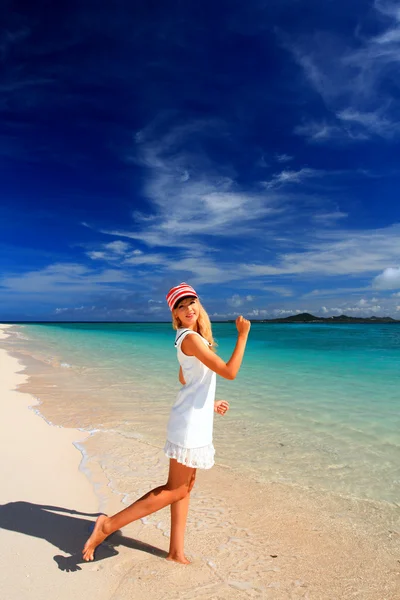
point(176, 488)
point(179, 512)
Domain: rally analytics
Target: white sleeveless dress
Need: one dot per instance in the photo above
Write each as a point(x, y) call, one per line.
point(190, 425)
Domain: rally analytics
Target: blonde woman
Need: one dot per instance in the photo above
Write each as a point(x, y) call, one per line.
point(190, 427)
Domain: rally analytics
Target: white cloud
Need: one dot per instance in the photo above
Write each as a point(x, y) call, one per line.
point(374, 122)
point(337, 253)
point(257, 312)
point(353, 254)
point(221, 316)
point(63, 278)
point(112, 251)
point(355, 79)
point(388, 7)
point(362, 309)
point(388, 280)
point(336, 291)
point(155, 308)
point(286, 176)
point(146, 259)
point(283, 158)
point(190, 215)
point(278, 289)
point(117, 247)
point(206, 270)
point(182, 208)
point(74, 309)
point(236, 300)
point(330, 253)
point(329, 218)
point(346, 304)
point(97, 255)
point(319, 132)
point(347, 309)
point(281, 311)
point(121, 252)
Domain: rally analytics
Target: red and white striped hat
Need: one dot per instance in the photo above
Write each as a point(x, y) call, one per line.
point(180, 291)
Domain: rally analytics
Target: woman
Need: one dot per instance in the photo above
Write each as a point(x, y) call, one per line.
point(189, 433)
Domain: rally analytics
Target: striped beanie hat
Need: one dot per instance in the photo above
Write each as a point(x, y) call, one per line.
point(177, 293)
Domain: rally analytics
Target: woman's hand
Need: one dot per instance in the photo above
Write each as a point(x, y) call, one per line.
point(242, 325)
point(221, 406)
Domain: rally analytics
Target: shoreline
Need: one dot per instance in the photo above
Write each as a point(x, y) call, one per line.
point(240, 546)
point(42, 493)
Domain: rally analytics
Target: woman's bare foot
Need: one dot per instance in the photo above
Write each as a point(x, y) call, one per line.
point(179, 558)
point(95, 539)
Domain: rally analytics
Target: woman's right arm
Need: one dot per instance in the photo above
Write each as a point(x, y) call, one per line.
point(193, 346)
point(181, 377)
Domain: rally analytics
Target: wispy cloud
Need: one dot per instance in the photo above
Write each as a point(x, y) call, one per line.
point(374, 121)
point(193, 209)
point(289, 176)
point(337, 291)
point(203, 269)
point(63, 278)
point(124, 255)
point(281, 290)
point(327, 253)
point(113, 251)
point(329, 218)
point(356, 79)
point(283, 158)
point(352, 253)
point(190, 198)
point(320, 132)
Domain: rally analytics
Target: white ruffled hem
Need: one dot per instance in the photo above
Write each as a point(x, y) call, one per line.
point(197, 458)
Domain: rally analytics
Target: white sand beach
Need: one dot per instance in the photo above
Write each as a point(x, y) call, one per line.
point(41, 488)
point(247, 540)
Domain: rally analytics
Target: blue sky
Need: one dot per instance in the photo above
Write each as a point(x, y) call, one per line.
point(250, 149)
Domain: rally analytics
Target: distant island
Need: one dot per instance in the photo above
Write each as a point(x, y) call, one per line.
point(308, 318)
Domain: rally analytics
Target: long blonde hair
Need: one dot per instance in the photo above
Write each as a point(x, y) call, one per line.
point(203, 325)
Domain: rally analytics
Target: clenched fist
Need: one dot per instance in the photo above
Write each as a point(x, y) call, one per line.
point(221, 406)
point(243, 325)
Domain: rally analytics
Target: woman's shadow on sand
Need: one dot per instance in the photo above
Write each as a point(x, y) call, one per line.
point(68, 533)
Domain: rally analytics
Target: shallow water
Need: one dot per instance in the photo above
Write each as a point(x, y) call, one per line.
point(314, 405)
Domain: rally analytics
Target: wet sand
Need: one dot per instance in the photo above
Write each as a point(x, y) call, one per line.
point(246, 539)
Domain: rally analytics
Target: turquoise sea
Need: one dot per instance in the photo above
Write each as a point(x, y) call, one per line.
point(313, 405)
